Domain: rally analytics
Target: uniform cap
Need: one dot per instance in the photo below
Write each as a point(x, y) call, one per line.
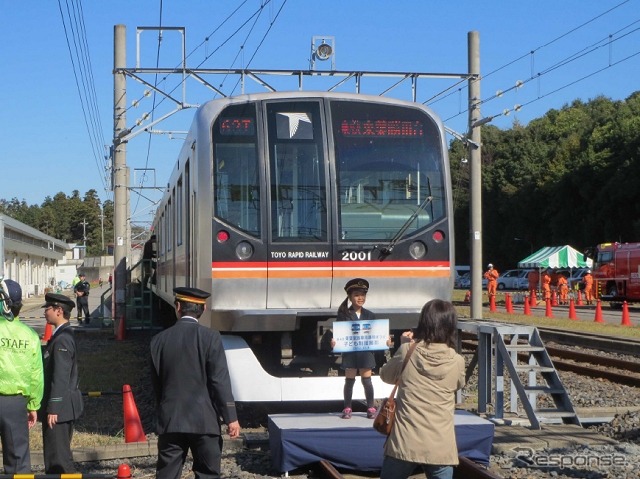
point(357, 283)
point(53, 299)
point(191, 295)
point(13, 290)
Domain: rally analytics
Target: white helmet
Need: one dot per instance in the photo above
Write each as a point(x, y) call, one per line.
point(588, 271)
point(490, 265)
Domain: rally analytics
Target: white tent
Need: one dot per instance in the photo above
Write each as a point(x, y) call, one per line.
point(556, 257)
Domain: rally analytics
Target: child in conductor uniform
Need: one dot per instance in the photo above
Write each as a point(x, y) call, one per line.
point(358, 361)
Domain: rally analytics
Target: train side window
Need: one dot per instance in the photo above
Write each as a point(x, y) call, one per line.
point(297, 172)
point(236, 174)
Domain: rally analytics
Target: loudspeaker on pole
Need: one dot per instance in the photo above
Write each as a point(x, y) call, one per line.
point(133, 431)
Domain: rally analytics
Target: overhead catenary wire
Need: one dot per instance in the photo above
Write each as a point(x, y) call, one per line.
point(77, 46)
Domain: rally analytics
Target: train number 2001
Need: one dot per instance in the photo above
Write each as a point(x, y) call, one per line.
point(356, 256)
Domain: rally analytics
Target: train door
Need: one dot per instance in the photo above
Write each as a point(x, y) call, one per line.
point(299, 255)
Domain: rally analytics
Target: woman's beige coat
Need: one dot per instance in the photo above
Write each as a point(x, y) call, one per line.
point(424, 431)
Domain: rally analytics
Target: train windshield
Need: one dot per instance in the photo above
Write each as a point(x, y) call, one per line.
point(388, 165)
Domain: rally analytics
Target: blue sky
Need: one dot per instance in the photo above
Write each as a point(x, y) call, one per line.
point(47, 147)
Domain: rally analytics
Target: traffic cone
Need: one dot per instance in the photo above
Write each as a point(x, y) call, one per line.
point(554, 299)
point(626, 321)
point(507, 302)
point(124, 471)
point(579, 298)
point(492, 302)
point(598, 318)
point(527, 308)
point(133, 431)
point(48, 330)
point(120, 330)
point(548, 313)
point(533, 301)
point(572, 310)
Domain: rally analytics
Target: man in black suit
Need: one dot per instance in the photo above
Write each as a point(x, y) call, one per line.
point(62, 403)
point(193, 391)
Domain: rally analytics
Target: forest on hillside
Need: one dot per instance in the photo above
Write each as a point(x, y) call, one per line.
point(570, 177)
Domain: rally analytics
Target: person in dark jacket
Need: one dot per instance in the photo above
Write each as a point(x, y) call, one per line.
point(358, 361)
point(193, 391)
point(81, 289)
point(62, 402)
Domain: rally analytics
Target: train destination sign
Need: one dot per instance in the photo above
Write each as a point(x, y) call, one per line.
point(360, 335)
point(382, 128)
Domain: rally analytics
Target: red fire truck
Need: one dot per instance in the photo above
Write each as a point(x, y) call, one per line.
point(616, 272)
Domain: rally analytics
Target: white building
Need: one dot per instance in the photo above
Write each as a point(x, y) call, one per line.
point(31, 257)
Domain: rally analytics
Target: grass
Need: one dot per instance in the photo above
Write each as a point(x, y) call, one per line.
point(542, 321)
point(105, 365)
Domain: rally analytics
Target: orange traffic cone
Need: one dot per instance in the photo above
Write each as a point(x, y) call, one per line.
point(554, 299)
point(492, 302)
point(124, 471)
point(572, 310)
point(507, 302)
point(527, 308)
point(120, 330)
point(133, 431)
point(626, 321)
point(533, 301)
point(548, 313)
point(598, 318)
point(48, 330)
point(579, 303)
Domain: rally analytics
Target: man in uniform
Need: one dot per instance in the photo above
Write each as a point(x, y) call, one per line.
point(62, 404)
point(587, 280)
point(193, 390)
point(21, 380)
point(81, 289)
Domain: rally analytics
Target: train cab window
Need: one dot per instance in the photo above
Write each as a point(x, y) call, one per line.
point(388, 167)
point(297, 172)
point(236, 179)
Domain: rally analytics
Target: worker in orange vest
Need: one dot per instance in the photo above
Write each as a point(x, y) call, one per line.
point(563, 289)
point(491, 275)
point(587, 279)
point(546, 285)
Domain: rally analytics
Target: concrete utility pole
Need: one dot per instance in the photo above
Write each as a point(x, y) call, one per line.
point(120, 172)
point(473, 40)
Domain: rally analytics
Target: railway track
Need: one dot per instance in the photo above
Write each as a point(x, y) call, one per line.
point(467, 469)
point(593, 365)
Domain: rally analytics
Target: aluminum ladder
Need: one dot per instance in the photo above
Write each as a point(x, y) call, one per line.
point(521, 351)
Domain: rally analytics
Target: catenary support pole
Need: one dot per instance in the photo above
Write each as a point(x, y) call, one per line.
point(120, 171)
point(473, 39)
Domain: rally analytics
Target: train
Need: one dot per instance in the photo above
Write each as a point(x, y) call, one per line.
point(277, 199)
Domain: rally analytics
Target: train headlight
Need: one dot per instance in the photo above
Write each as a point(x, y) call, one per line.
point(244, 250)
point(417, 249)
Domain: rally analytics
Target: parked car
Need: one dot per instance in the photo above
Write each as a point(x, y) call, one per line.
point(513, 279)
point(463, 281)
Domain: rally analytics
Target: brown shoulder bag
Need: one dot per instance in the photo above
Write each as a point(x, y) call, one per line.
point(383, 422)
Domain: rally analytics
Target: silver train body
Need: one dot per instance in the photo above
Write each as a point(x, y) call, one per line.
point(278, 199)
